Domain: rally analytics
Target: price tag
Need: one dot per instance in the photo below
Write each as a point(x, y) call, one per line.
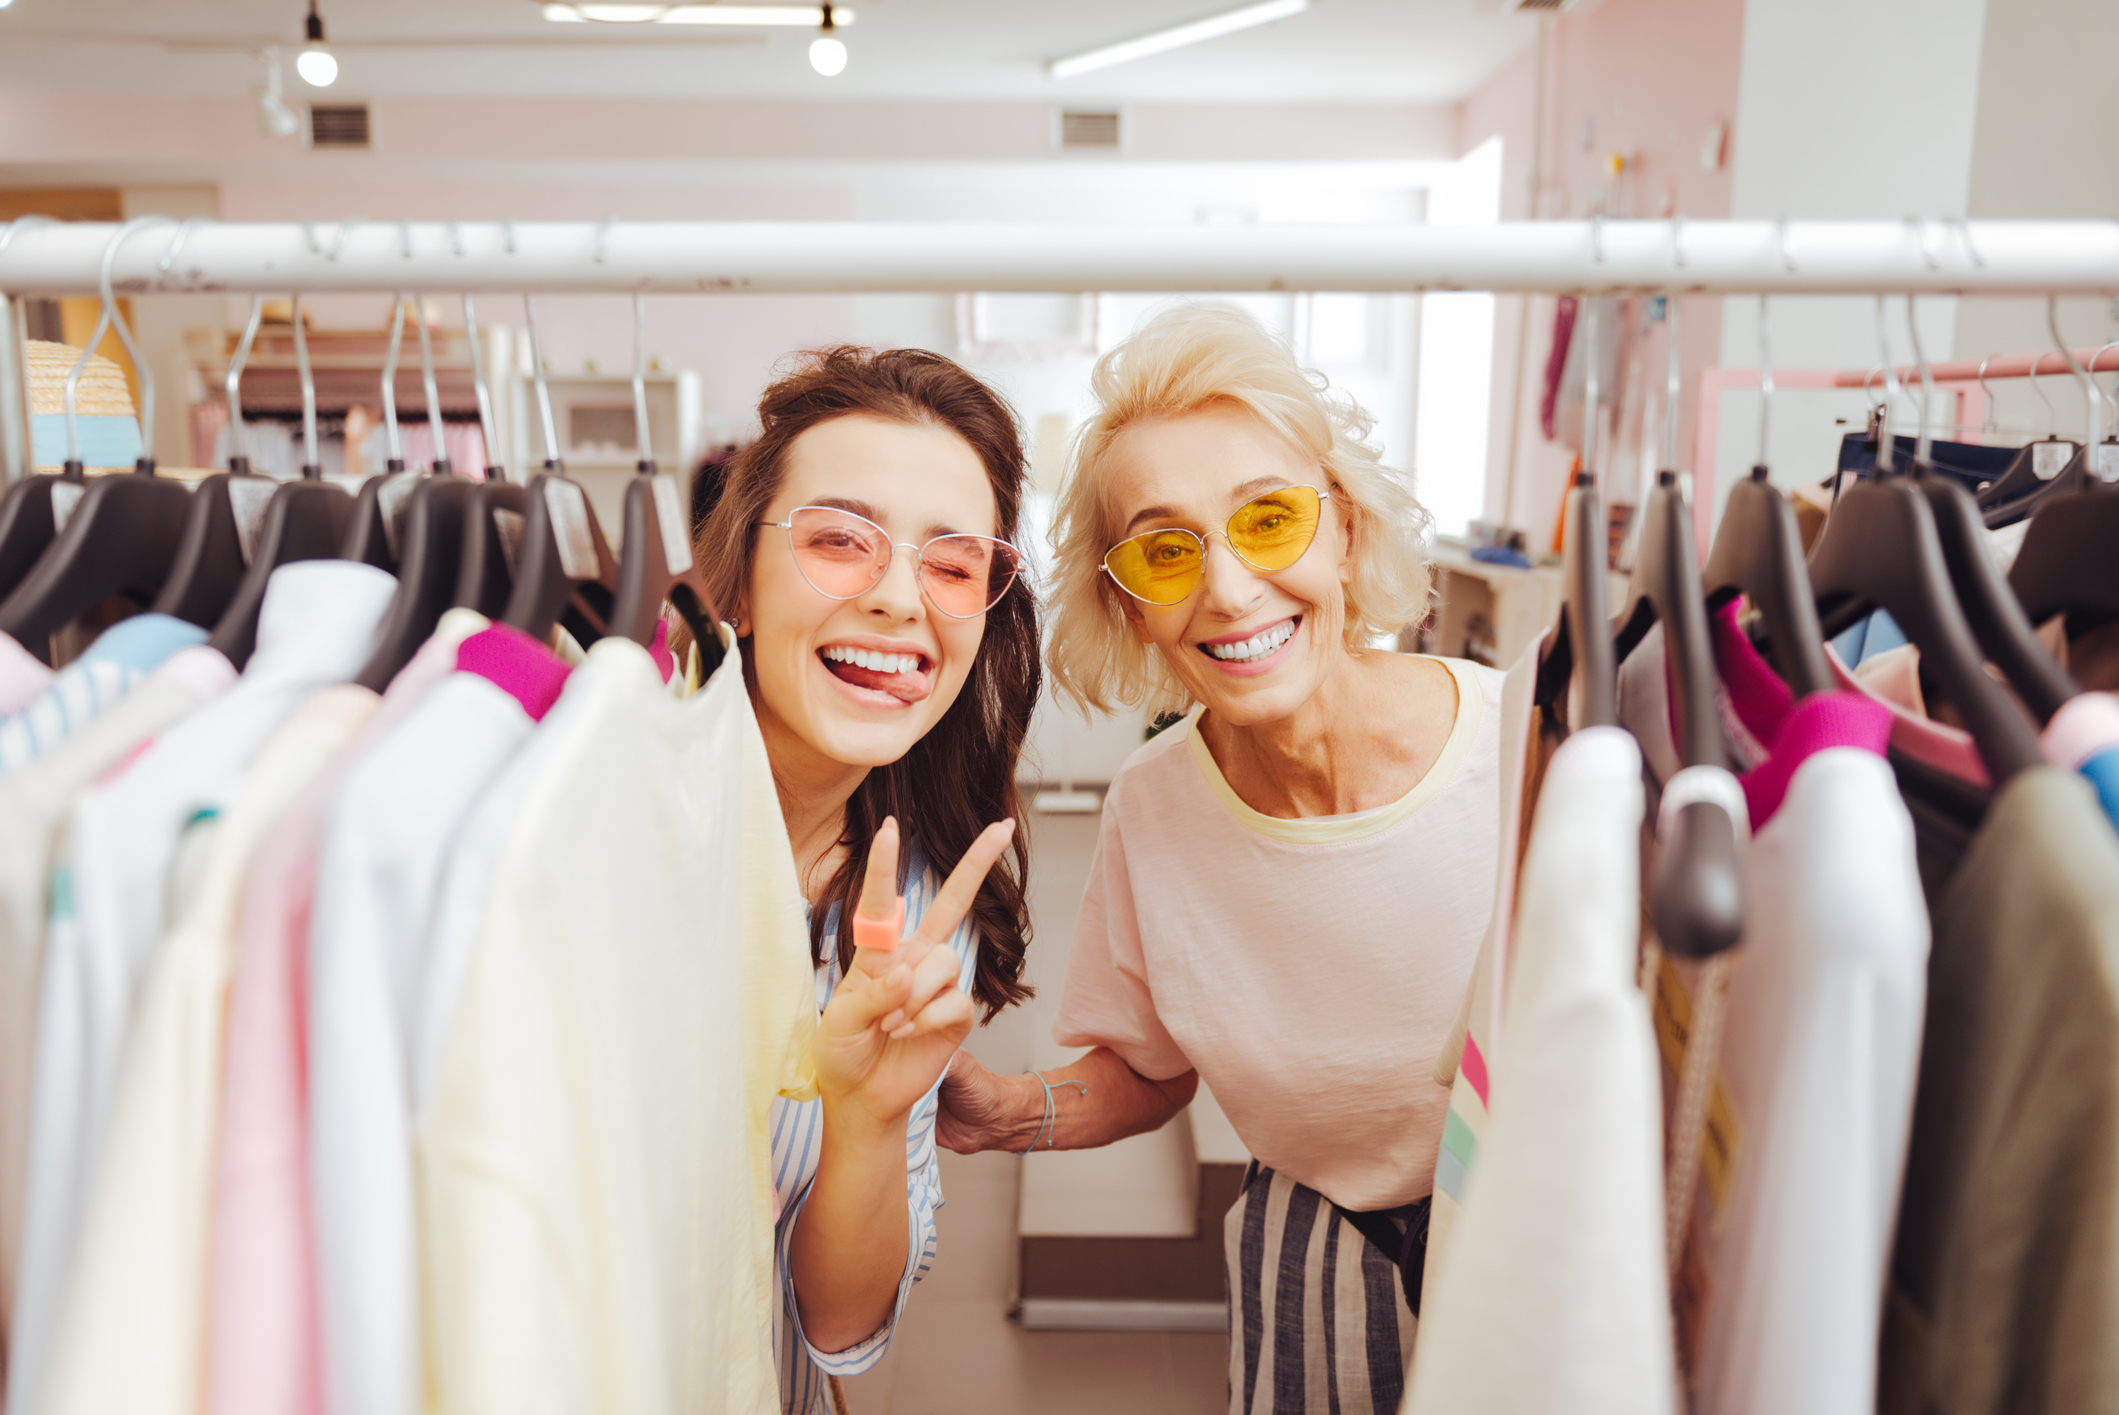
point(2048, 459)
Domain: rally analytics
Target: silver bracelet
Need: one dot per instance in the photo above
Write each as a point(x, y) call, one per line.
point(1046, 1123)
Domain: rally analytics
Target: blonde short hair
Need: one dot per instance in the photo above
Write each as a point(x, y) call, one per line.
point(1180, 361)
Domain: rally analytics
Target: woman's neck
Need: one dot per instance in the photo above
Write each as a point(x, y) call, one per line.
point(813, 791)
point(1365, 738)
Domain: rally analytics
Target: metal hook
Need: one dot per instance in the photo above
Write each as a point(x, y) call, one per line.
point(312, 467)
point(1596, 234)
point(1675, 387)
point(1922, 444)
point(110, 318)
point(647, 452)
point(1927, 254)
point(1964, 229)
point(456, 239)
point(484, 394)
point(176, 247)
point(1987, 424)
point(544, 392)
point(507, 234)
point(1677, 241)
point(393, 445)
point(345, 229)
point(2089, 385)
point(1592, 394)
point(1892, 389)
point(2109, 401)
point(440, 450)
point(1787, 257)
point(2052, 414)
point(22, 223)
point(309, 234)
point(603, 238)
point(1765, 380)
point(404, 240)
point(237, 430)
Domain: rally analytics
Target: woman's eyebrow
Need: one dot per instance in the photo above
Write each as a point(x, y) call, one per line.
point(1242, 494)
point(846, 503)
point(1150, 514)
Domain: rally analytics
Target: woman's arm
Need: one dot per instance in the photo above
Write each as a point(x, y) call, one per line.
point(885, 1038)
point(984, 1111)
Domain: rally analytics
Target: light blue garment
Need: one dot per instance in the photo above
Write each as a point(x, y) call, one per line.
point(83, 690)
point(106, 441)
point(2103, 773)
point(1879, 633)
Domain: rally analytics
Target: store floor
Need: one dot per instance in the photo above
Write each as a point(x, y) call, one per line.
point(958, 1353)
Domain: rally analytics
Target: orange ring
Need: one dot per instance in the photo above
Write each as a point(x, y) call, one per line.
point(881, 935)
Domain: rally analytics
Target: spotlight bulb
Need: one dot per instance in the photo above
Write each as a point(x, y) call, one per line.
point(827, 55)
point(317, 67)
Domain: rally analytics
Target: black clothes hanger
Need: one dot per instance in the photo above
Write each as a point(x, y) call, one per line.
point(430, 544)
point(655, 564)
point(2046, 468)
point(371, 533)
point(224, 516)
point(305, 520)
point(564, 570)
point(1758, 552)
point(122, 534)
point(2069, 561)
point(27, 524)
point(493, 524)
point(1997, 621)
point(1579, 667)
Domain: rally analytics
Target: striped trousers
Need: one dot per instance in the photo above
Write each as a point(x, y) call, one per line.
point(1317, 1320)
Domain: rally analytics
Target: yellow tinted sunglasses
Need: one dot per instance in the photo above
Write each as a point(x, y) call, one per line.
point(1268, 533)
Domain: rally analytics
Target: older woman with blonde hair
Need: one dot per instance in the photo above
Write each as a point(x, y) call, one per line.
point(1291, 882)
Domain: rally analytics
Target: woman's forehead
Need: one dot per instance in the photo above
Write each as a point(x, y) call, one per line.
point(1205, 463)
point(910, 478)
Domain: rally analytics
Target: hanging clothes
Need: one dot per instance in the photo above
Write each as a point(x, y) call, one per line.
point(262, 1311)
point(110, 907)
point(35, 802)
point(23, 676)
point(609, 1249)
point(93, 683)
point(1553, 1296)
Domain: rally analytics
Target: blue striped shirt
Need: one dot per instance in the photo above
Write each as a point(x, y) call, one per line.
point(798, 1131)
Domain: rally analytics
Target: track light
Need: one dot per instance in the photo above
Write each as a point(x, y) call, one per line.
point(827, 52)
point(315, 64)
point(1162, 41)
point(274, 116)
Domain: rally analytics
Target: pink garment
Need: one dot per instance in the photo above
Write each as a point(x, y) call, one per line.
point(263, 1320)
point(1793, 730)
point(2086, 726)
point(658, 649)
point(518, 665)
point(22, 678)
point(1938, 744)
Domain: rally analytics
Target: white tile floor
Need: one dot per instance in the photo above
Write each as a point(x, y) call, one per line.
point(956, 1351)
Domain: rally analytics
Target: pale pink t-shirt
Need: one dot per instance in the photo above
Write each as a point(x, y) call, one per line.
point(1309, 970)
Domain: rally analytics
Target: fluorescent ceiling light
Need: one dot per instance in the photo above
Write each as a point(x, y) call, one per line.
point(797, 16)
point(1213, 27)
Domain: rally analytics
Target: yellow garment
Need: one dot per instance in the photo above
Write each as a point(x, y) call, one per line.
point(596, 1202)
point(131, 1328)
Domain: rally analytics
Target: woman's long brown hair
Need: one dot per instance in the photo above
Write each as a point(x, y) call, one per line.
point(960, 777)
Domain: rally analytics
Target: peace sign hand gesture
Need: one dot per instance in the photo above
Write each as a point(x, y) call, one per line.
point(898, 1016)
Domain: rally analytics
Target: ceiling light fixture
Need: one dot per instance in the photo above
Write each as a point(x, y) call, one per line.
point(274, 116)
point(827, 52)
point(314, 63)
point(1212, 27)
point(792, 16)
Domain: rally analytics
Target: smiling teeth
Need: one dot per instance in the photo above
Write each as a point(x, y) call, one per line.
point(1257, 646)
point(874, 661)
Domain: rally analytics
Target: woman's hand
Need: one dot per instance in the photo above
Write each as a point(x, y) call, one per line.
point(898, 1016)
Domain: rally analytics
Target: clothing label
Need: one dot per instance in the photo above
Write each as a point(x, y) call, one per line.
point(2107, 464)
point(391, 501)
point(66, 495)
point(676, 550)
point(2049, 459)
point(509, 524)
point(570, 528)
point(247, 499)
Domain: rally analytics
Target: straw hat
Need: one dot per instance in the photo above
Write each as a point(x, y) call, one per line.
point(102, 391)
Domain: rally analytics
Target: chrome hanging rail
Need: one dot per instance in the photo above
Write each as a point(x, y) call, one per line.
point(1608, 257)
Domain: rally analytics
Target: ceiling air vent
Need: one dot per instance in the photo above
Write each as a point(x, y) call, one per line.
point(338, 125)
point(1088, 132)
point(1540, 7)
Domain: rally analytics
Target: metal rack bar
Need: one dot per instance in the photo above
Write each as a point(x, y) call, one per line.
point(1578, 257)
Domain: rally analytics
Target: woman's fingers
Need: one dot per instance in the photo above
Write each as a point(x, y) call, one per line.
point(879, 896)
point(953, 901)
point(948, 1011)
point(935, 975)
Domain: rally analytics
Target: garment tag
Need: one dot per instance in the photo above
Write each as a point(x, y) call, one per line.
point(2048, 459)
point(676, 548)
point(65, 497)
point(509, 524)
point(391, 501)
point(247, 499)
point(570, 528)
point(2107, 464)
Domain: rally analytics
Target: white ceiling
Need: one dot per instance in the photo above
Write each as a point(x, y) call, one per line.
point(1339, 51)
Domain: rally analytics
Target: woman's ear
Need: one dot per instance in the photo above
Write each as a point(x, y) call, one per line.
point(1347, 535)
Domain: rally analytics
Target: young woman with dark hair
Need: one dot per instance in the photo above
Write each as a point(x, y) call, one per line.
point(862, 547)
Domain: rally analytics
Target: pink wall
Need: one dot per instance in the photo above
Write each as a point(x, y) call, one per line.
point(1640, 77)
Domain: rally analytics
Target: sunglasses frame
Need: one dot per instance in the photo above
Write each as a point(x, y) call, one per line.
point(919, 559)
point(1323, 495)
